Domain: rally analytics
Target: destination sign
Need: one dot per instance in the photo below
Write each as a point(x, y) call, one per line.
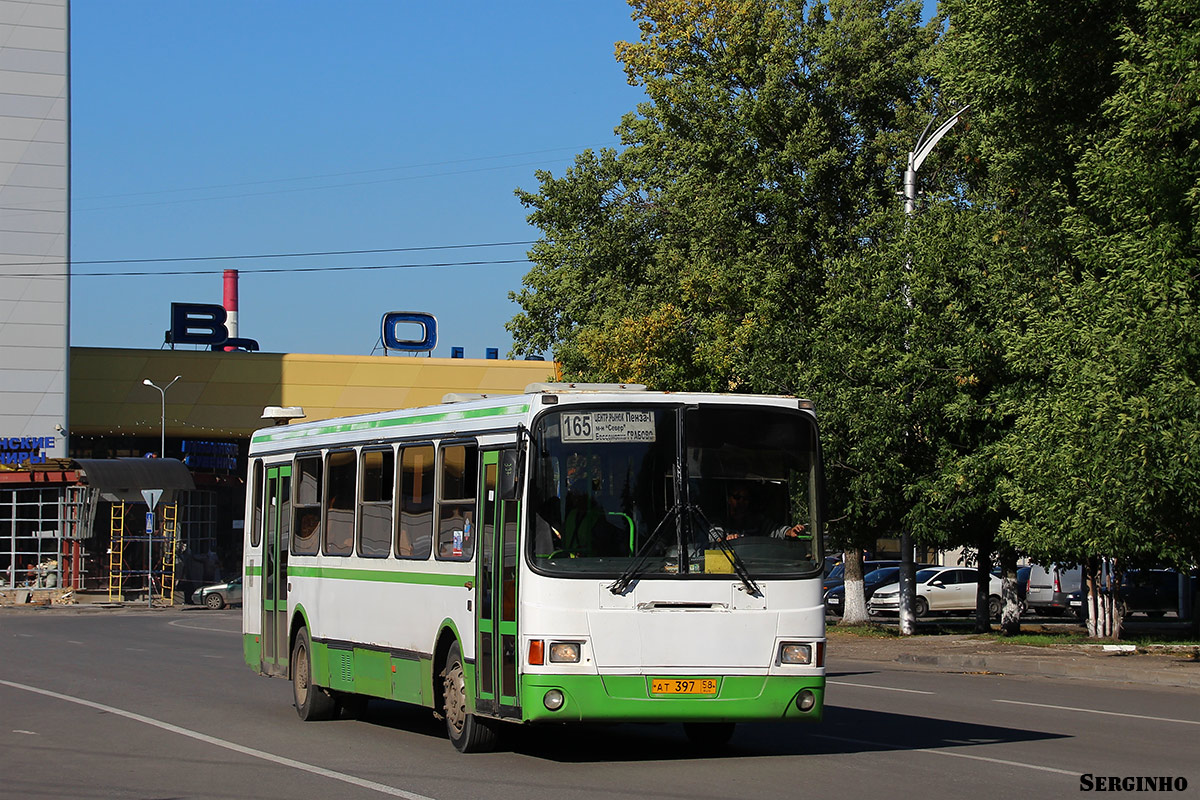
point(607, 426)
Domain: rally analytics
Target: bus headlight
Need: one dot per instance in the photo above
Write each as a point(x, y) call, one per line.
point(553, 700)
point(806, 700)
point(790, 653)
point(564, 652)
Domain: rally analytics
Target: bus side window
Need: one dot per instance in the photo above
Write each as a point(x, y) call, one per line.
point(375, 504)
point(456, 509)
point(306, 509)
point(414, 532)
point(341, 472)
point(256, 492)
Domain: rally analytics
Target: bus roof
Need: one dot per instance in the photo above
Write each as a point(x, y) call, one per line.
point(466, 415)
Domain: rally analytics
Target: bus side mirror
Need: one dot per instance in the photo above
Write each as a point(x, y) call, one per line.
point(510, 475)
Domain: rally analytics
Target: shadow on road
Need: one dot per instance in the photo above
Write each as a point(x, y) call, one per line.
point(844, 731)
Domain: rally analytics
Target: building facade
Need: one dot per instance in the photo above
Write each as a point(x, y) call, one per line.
point(34, 229)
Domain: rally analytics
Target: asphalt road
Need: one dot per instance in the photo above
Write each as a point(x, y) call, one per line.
point(141, 704)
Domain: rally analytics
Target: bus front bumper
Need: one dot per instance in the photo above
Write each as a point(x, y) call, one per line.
point(627, 698)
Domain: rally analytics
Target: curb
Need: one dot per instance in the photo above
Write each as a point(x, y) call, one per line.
point(1178, 674)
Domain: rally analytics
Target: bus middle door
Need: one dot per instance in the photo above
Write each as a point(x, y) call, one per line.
point(496, 597)
point(275, 543)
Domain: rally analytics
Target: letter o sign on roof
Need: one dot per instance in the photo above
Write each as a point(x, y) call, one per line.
point(392, 340)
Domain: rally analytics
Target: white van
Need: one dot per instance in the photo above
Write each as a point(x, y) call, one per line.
point(1049, 587)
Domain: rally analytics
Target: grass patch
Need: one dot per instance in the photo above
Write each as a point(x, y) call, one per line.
point(1047, 637)
point(1041, 638)
point(867, 630)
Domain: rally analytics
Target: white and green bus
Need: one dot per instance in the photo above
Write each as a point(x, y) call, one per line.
point(575, 553)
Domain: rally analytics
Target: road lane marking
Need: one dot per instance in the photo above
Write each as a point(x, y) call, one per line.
point(179, 624)
point(884, 688)
point(1106, 713)
point(237, 748)
point(951, 754)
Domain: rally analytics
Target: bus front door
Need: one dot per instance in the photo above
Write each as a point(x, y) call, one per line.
point(275, 542)
point(496, 598)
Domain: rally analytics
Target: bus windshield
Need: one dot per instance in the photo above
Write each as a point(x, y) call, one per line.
point(733, 488)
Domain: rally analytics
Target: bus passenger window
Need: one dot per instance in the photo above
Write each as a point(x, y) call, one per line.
point(306, 509)
point(456, 510)
point(375, 505)
point(414, 532)
point(342, 475)
point(256, 491)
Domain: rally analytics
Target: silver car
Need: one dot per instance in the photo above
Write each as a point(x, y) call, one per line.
point(938, 589)
point(220, 595)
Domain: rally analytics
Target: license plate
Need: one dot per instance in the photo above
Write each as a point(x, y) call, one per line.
point(683, 685)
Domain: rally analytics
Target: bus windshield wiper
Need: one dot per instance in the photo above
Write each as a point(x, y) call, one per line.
point(739, 566)
point(634, 569)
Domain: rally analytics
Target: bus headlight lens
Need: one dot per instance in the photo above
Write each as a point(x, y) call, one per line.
point(553, 700)
point(564, 652)
point(795, 653)
point(806, 700)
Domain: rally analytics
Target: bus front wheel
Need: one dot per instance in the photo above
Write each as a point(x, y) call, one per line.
point(312, 702)
point(468, 733)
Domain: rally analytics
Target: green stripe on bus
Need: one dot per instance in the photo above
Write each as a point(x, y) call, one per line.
point(377, 576)
point(297, 432)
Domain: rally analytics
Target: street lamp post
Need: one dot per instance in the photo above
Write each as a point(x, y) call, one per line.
point(162, 453)
point(162, 448)
point(916, 157)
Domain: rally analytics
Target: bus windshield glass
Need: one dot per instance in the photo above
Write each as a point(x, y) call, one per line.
point(624, 490)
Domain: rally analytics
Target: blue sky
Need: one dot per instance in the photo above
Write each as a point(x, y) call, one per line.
point(233, 128)
point(242, 127)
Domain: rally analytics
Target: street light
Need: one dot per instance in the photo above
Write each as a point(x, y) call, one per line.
point(916, 157)
point(162, 450)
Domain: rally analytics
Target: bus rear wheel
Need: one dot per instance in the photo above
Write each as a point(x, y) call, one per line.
point(468, 733)
point(312, 702)
point(709, 735)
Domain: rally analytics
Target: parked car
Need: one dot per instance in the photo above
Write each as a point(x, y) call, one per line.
point(1153, 592)
point(1048, 588)
point(220, 595)
point(835, 598)
point(837, 576)
point(938, 589)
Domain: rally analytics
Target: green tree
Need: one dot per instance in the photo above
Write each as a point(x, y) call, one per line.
point(1107, 460)
point(698, 256)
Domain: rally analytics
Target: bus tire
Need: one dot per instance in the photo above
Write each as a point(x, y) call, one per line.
point(709, 735)
point(313, 703)
point(468, 733)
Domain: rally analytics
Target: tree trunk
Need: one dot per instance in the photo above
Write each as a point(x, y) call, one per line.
point(854, 611)
point(1010, 617)
point(983, 582)
point(1103, 599)
point(1091, 593)
point(908, 586)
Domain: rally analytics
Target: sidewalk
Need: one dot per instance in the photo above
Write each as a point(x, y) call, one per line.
point(1174, 666)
